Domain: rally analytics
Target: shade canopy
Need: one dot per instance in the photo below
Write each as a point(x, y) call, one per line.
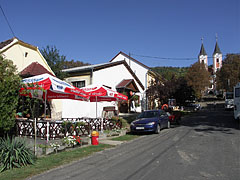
point(54, 88)
point(101, 93)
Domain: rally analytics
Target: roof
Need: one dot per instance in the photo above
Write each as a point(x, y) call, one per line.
point(97, 67)
point(202, 51)
point(5, 43)
point(217, 49)
point(89, 67)
point(34, 69)
point(128, 84)
point(129, 57)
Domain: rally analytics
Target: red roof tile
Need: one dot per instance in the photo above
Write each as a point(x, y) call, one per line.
point(128, 84)
point(34, 69)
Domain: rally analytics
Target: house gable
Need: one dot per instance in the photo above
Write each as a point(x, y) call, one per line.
point(143, 72)
point(22, 54)
point(128, 57)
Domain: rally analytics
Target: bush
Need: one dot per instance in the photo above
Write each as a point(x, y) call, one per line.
point(14, 153)
point(9, 90)
point(116, 120)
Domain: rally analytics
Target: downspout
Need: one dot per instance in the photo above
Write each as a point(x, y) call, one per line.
point(91, 76)
point(146, 100)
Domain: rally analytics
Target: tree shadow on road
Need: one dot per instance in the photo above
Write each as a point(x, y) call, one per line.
point(212, 120)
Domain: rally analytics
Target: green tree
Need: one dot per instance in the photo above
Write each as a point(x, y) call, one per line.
point(198, 78)
point(72, 64)
point(229, 75)
point(183, 92)
point(54, 60)
point(161, 90)
point(9, 94)
point(58, 62)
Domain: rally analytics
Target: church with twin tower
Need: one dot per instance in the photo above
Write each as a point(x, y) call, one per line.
point(217, 57)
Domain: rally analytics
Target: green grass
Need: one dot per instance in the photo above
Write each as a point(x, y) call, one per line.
point(51, 161)
point(126, 137)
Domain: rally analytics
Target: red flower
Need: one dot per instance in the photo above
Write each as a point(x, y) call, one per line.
point(77, 138)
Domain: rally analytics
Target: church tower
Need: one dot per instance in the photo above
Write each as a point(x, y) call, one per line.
point(202, 57)
point(217, 58)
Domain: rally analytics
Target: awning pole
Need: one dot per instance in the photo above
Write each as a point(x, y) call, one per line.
point(45, 104)
point(96, 106)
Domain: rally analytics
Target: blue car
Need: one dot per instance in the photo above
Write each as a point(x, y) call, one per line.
point(150, 121)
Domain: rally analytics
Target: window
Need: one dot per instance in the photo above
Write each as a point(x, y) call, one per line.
point(237, 92)
point(79, 84)
point(217, 60)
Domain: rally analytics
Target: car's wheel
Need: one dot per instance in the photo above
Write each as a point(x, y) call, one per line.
point(158, 129)
point(168, 125)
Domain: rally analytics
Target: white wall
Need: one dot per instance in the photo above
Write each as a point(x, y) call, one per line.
point(76, 109)
point(113, 76)
point(138, 69)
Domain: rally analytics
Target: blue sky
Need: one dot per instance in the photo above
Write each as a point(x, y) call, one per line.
point(94, 31)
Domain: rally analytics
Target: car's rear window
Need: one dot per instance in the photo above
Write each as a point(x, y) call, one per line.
point(148, 114)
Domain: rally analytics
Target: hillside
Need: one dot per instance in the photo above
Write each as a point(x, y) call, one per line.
point(167, 72)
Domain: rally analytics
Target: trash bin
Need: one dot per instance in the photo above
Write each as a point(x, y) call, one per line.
point(94, 137)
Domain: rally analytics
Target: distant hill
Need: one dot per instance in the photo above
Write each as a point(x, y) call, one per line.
point(167, 72)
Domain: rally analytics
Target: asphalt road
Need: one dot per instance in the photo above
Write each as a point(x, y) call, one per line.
point(205, 146)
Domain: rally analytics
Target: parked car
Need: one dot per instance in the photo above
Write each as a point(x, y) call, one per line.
point(193, 107)
point(150, 121)
point(174, 117)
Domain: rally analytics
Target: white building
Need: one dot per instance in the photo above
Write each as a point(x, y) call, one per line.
point(123, 74)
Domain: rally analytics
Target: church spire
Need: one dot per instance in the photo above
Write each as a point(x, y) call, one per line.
point(202, 50)
point(217, 57)
point(217, 49)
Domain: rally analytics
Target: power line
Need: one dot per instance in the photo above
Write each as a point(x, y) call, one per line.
point(163, 58)
point(7, 21)
point(169, 58)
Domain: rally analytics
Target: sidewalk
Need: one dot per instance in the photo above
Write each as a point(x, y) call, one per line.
point(103, 139)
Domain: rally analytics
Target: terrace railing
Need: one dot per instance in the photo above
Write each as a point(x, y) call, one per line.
point(46, 129)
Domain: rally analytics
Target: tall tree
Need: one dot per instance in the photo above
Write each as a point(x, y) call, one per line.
point(58, 62)
point(54, 60)
point(9, 91)
point(198, 78)
point(161, 90)
point(229, 75)
point(183, 92)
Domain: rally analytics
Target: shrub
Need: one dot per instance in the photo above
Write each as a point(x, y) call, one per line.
point(67, 126)
point(9, 90)
point(14, 153)
point(116, 120)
